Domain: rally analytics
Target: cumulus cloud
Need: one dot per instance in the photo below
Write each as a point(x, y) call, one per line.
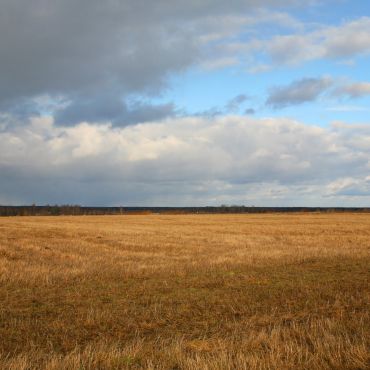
point(182, 161)
point(298, 92)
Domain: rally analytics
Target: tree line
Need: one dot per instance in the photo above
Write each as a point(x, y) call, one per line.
point(75, 210)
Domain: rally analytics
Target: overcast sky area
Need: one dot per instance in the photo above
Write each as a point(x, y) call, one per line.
point(185, 103)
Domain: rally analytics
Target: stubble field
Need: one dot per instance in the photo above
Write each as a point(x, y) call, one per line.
point(272, 291)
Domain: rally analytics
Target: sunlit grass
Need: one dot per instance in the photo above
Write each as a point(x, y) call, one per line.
point(185, 292)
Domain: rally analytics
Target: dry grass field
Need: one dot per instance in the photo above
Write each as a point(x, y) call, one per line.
point(271, 291)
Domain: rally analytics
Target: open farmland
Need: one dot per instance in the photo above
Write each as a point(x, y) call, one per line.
point(274, 291)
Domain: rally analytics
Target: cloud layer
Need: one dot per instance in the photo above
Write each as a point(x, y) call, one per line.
point(186, 161)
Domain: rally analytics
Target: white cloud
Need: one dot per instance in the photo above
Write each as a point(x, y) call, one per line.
point(350, 187)
point(182, 162)
point(343, 42)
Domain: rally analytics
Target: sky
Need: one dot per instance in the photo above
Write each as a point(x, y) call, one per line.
point(185, 103)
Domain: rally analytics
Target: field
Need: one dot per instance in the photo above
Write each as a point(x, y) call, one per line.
point(271, 291)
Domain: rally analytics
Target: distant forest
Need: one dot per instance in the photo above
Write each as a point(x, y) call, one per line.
point(56, 210)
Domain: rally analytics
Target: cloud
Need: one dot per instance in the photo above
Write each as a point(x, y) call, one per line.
point(108, 108)
point(298, 92)
point(222, 36)
point(182, 161)
point(77, 49)
point(353, 90)
point(301, 44)
point(235, 103)
point(348, 186)
point(350, 39)
point(232, 106)
point(250, 111)
point(219, 63)
point(93, 58)
point(335, 42)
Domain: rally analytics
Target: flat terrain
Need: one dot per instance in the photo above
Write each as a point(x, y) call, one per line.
point(271, 291)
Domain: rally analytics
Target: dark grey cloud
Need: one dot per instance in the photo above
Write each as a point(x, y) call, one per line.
point(63, 46)
point(250, 111)
point(298, 92)
point(20, 109)
point(112, 109)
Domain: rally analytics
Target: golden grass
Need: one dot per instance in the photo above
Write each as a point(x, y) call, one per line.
point(272, 291)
